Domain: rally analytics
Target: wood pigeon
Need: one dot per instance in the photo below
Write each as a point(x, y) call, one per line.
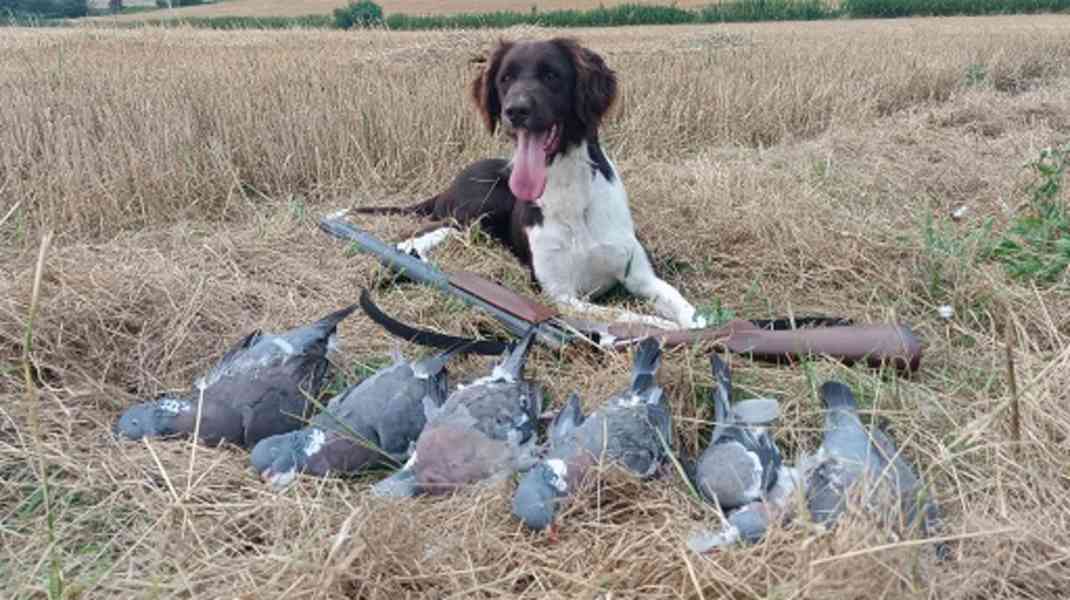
point(855, 463)
point(742, 462)
point(373, 422)
point(484, 430)
point(259, 388)
point(633, 429)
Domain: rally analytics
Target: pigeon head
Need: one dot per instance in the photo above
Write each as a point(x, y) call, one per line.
point(279, 458)
point(538, 493)
point(151, 419)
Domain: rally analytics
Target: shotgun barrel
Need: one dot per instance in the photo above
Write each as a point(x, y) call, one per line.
point(413, 268)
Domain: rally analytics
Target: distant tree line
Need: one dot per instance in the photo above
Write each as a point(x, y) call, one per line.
point(44, 9)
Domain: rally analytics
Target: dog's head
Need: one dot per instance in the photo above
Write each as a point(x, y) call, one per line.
point(550, 95)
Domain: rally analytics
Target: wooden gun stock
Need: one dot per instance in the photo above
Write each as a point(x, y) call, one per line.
point(876, 344)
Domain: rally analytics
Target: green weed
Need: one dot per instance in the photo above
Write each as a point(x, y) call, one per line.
point(947, 253)
point(976, 74)
point(296, 207)
point(716, 314)
point(1037, 244)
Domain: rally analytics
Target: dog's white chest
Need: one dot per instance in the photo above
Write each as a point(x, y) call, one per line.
point(585, 241)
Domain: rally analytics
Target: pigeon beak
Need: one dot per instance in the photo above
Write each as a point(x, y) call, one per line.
point(266, 475)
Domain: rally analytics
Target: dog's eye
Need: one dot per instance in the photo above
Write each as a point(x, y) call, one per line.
point(507, 78)
point(549, 76)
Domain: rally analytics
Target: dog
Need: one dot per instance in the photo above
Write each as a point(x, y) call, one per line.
point(558, 204)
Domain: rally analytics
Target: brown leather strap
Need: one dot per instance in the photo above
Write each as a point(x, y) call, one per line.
point(425, 337)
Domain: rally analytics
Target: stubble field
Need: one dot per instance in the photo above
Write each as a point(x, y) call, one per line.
point(274, 8)
point(773, 169)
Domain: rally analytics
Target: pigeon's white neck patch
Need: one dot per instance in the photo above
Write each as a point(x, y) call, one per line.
point(316, 439)
point(654, 397)
point(173, 406)
point(560, 472)
point(281, 480)
point(705, 541)
point(498, 374)
point(284, 345)
point(755, 489)
point(788, 480)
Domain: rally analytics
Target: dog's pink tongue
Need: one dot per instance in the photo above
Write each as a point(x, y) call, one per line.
point(528, 179)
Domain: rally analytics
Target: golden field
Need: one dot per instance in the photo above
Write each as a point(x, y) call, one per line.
point(780, 168)
point(280, 8)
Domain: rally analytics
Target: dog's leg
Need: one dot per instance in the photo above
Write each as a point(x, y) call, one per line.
point(606, 312)
point(641, 281)
point(421, 243)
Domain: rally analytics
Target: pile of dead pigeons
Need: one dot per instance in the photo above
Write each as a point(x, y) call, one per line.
point(258, 396)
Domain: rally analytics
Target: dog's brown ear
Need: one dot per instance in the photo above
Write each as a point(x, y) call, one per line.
point(596, 83)
point(483, 89)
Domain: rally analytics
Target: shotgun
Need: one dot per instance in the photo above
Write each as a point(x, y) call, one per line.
point(775, 340)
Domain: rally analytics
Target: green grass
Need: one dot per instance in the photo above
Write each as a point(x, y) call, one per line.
point(237, 22)
point(623, 15)
point(767, 10)
point(919, 8)
point(1037, 244)
point(947, 252)
point(716, 313)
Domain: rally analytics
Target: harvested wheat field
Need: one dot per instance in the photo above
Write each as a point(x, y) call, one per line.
point(281, 8)
point(772, 169)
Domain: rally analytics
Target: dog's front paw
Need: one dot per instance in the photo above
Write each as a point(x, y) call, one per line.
point(697, 321)
point(693, 319)
point(411, 248)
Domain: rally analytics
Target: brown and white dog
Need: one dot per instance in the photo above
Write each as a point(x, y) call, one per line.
point(559, 203)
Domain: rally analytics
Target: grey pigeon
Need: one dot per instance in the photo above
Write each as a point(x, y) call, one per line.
point(484, 430)
point(742, 461)
point(854, 463)
point(256, 390)
point(369, 423)
point(632, 428)
point(749, 523)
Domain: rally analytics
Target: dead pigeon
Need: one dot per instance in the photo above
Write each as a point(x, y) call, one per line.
point(632, 429)
point(483, 431)
point(742, 461)
point(855, 463)
point(258, 389)
point(750, 522)
point(373, 422)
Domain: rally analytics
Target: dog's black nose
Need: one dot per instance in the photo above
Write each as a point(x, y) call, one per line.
point(517, 114)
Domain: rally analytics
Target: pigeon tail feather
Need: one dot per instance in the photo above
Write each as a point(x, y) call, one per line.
point(332, 320)
point(647, 361)
point(721, 395)
point(835, 395)
point(433, 365)
point(568, 420)
point(518, 352)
